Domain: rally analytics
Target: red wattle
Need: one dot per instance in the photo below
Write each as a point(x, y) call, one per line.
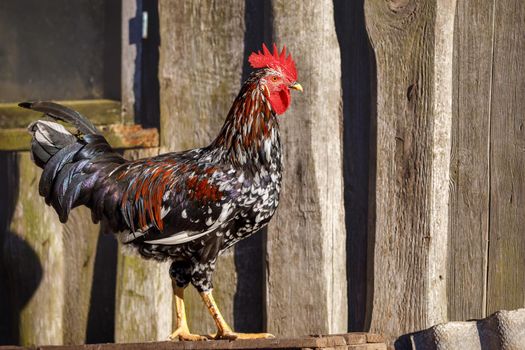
point(280, 100)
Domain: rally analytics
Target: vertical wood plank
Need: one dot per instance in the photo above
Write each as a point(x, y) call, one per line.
point(412, 42)
point(200, 69)
point(130, 58)
point(143, 294)
point(50, 265)
point(37, 287)
point(469, 193)
point(506, 271)
point(201, 60)
point(306, 263)
point(80, 237)
point(441, 136)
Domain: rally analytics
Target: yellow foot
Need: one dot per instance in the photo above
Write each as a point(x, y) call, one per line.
point(234, 335)
point(183, 333)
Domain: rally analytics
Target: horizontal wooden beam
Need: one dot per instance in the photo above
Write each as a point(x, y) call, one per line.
point(119, 136)
point(362, 341)
point(100, 112)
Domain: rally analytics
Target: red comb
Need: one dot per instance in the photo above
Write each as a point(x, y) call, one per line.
point(275, 61)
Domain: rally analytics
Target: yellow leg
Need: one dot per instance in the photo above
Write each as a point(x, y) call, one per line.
point(182, 332)
point(224, 331)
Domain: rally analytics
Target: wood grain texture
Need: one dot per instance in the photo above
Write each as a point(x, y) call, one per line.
point(201, 60)
point(50, 265)
point(97, 111)
point(80, 237)
point(306, 263)
point(469, 164)
point(328, 342)
point(506, 272)
point(130, 59)
point(442, 91)
point(119, 136)
point(143, 310)
point(412, 42)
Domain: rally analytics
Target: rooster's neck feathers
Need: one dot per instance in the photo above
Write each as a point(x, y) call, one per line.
point(250, 134)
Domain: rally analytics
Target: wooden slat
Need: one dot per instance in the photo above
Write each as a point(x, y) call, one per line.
point(200, 71)
point(324, 342)
point(368, 347)
point(506, 272)
point(100, 112)
point(362, 337)
point(412, 42)
point(469, 194)
point(306, 262)
point(131, 46)
point(119, 137)
point(197, 87)
point(49, 264)
point(143, 294)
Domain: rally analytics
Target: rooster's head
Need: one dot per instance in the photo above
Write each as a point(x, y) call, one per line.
point(279, 76)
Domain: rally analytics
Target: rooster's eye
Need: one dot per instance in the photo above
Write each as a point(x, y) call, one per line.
point(274, 78)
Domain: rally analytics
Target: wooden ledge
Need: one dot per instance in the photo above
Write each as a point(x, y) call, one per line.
point(119, 136)
point(105, 114)
point(98, 111)
point(350, 341)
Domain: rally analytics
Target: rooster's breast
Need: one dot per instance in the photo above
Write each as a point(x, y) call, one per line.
point(258, 199)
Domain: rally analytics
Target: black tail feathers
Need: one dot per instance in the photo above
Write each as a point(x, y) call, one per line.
point(48, 139)
point(71, 164)
point(59, 112)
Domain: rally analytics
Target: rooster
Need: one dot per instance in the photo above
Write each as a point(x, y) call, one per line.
point(188, 206)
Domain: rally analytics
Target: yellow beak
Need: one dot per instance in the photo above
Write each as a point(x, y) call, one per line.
point(296, 86)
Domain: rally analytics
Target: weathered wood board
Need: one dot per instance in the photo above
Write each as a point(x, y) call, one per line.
point(200, 72)
point(98, 111)
point(118, 136)
point(49, 264)
point(412, 42)
point(143, 309)
point(200, 69)
point(305, 253)
point(469, 163)
point(506, 258)
point(351, 341)
point(130, 79)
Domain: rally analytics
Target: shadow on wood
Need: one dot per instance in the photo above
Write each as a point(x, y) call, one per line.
point(20, 268)
point(358, 78)
point(101, 317)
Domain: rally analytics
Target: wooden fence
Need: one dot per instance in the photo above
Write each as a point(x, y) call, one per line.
point(402, 201)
